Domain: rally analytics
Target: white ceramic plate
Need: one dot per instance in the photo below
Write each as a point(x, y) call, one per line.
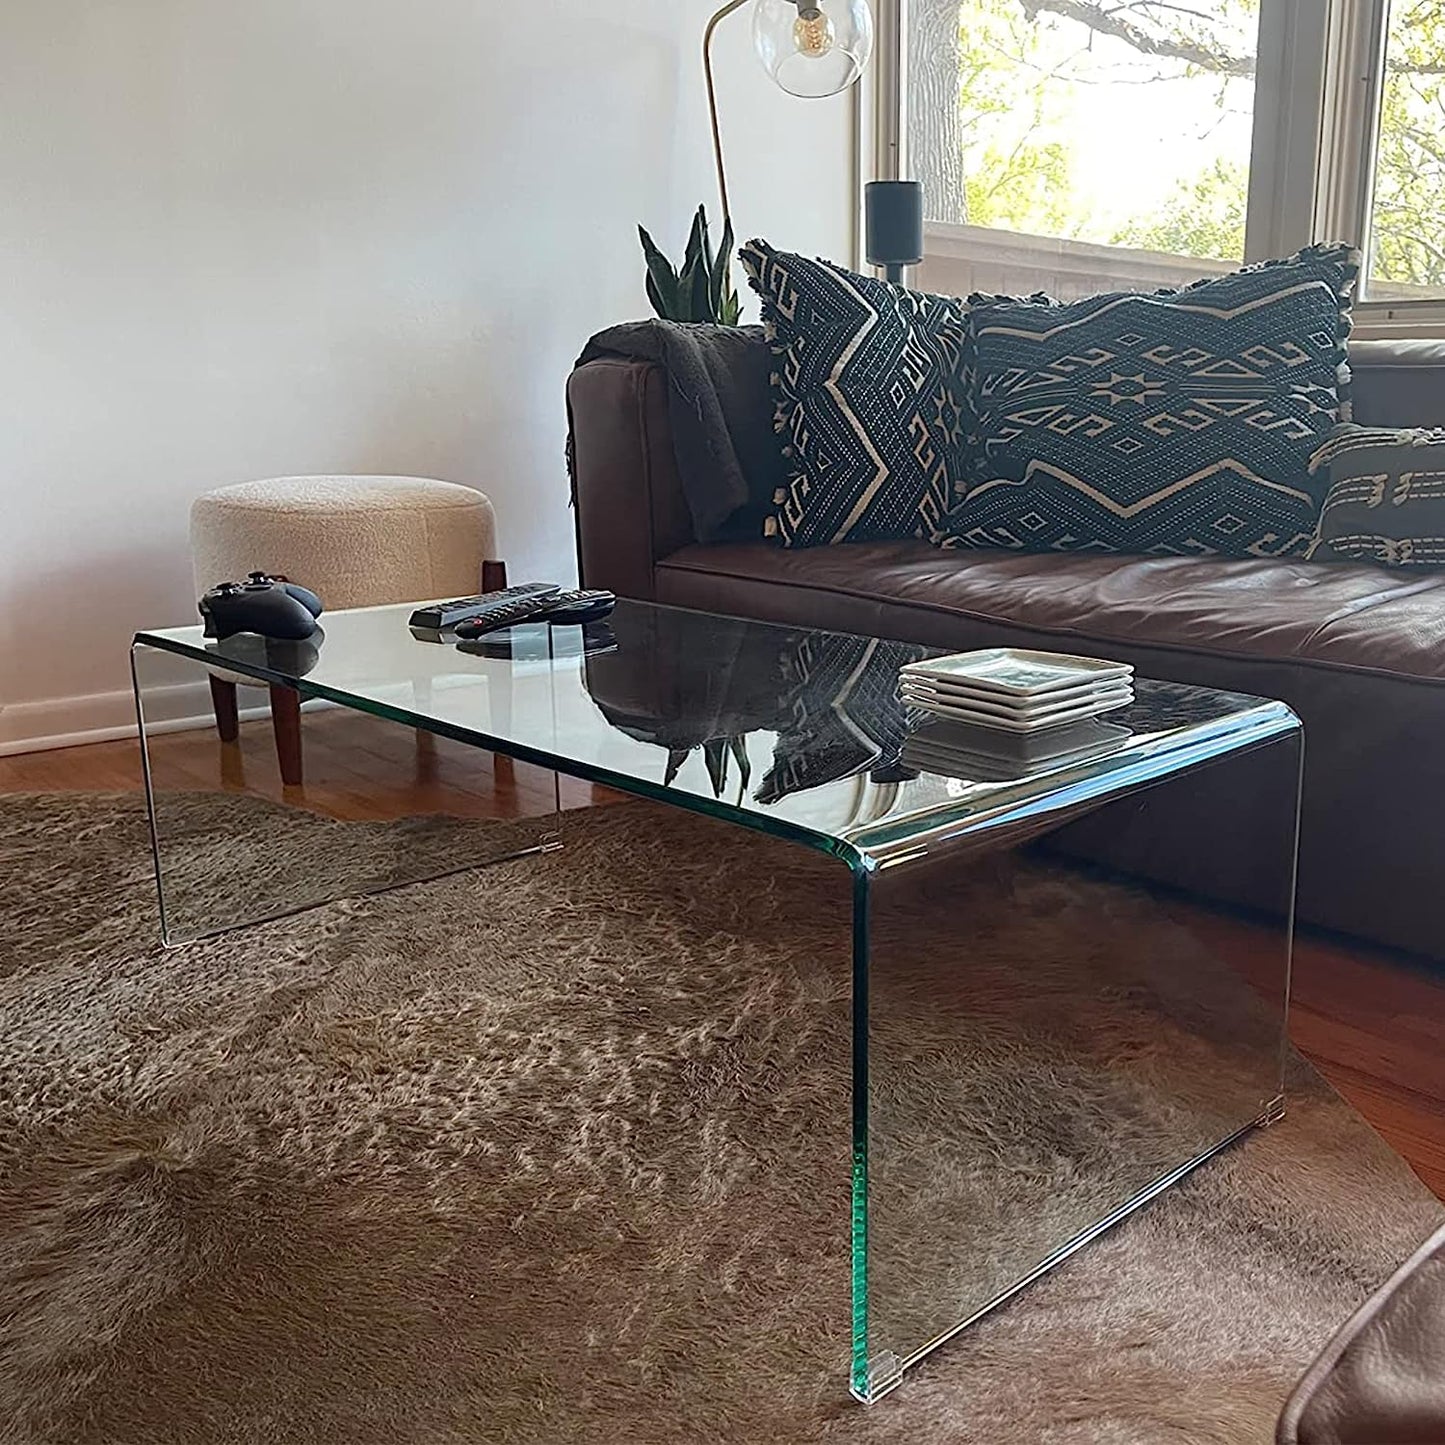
point(1006, 723)
point(929, 697)
point(1017, 672)
point(1014, 706)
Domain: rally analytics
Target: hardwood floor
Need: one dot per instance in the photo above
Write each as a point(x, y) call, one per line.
point(1372, 1022)
point(357, 767)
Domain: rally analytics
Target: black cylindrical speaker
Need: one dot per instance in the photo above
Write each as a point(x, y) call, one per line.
point(893, 212)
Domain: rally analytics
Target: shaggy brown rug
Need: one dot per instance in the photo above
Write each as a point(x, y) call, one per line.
point(558, 1152)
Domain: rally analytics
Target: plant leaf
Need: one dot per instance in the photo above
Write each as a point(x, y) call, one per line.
point(708, 259)
point(722, 280)
point(663, 294)
point(662, 279)
point(694, 291)
point(696, 252)
point(718, 268)
point(694, 302)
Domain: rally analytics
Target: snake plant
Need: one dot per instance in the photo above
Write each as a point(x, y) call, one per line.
point(702, 289)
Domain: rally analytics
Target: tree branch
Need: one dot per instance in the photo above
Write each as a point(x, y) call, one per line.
point(1412, 238)
point(1108, 22)
point(1179, 47)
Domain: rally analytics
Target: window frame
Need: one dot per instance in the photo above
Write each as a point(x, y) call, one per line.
point(1317, 103)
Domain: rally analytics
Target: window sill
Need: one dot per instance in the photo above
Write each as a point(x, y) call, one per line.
point(964, 259)
point(961, 259)
point(1370, 326)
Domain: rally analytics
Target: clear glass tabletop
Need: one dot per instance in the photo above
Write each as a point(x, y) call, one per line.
point(797, 732)
point(1047, 1028)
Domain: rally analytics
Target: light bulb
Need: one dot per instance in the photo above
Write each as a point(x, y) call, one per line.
point(813, 32)
point(813, 47)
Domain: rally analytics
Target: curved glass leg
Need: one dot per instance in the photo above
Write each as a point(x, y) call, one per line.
point(258, 809)
point(1055, 1020)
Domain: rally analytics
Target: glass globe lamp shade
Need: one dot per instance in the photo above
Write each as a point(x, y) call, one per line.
point(813, 48)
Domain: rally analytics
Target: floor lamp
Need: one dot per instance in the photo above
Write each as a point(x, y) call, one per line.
point(810, 48)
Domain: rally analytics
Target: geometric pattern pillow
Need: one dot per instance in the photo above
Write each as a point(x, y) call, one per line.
point(1385, 497)
point(867, 383)
point(1178, 423)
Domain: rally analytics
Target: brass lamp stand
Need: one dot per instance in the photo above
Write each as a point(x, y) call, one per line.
point(717, 147)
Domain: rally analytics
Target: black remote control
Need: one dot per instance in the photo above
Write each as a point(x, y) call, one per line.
point(437, 616)
point(579, 608)
point(559, 607)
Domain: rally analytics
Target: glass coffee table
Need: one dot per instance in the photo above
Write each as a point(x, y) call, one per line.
point(1182, 804)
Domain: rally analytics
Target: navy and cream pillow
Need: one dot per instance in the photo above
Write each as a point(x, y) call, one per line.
point(1177, 423)
point(867, 385)
point(1385, 497)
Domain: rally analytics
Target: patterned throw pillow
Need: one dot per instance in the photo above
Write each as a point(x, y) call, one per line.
point(1177, 423)
point(868, 390)
point(1385, 501)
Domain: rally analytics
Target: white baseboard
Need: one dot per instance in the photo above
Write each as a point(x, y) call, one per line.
point(100, 717)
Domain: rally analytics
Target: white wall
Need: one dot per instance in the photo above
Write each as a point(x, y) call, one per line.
point(249, 239)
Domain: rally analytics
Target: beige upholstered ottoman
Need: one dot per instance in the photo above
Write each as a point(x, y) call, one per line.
point(355, 542)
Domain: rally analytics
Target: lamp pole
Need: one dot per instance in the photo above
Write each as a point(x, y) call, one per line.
point(717, 147)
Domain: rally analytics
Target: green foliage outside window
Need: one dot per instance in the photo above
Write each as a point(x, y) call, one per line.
point(1035, 74)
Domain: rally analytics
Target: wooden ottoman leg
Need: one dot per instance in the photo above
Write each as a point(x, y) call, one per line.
point(286, 724)
point(226, 708)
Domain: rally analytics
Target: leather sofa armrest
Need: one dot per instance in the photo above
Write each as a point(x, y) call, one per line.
point(1382, 1378)
point(630, 511)
point(1398, 383)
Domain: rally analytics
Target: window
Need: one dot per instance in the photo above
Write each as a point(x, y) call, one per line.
point(1406, 257)
point(1070, 145)
point(1125, 125)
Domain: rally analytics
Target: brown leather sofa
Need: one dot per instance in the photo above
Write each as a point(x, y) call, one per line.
point(1381, 1380)
point(1358, 652)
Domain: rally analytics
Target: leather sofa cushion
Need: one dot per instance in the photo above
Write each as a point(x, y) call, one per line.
point(1381, 1380)
point(1398, 383)
point(1330, 616)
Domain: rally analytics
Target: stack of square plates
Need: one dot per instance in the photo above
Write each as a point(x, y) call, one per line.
point(1016, 691)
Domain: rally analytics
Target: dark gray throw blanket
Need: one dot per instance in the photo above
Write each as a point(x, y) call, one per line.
point(720, 405)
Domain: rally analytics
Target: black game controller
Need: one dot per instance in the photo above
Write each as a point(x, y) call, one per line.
point(270, 606)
